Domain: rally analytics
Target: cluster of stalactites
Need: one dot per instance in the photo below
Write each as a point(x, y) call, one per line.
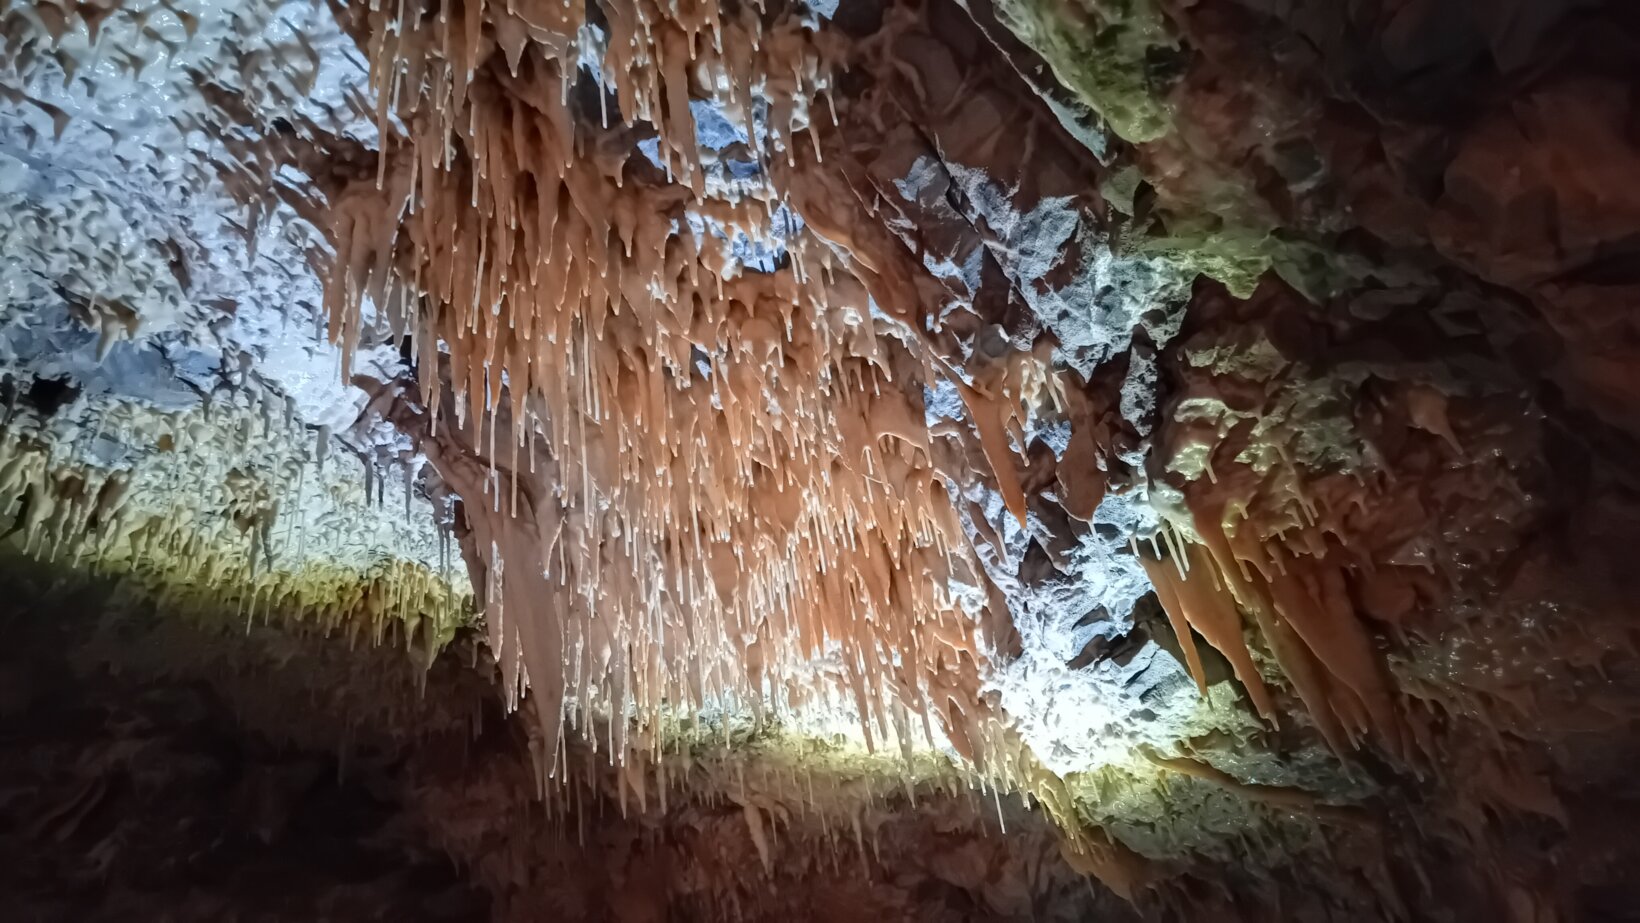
point(430, 64)
point(739, 502)
point(214, 560)
point(1294, 585)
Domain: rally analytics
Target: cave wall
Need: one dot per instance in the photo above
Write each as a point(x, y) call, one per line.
point(160, 767)
point(1204, 429)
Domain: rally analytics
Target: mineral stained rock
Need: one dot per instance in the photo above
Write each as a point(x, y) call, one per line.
point(931, 459)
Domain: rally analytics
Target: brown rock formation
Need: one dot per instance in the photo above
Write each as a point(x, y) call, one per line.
point(924, 459)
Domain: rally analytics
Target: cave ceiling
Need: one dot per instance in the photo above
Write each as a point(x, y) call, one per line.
point(1176, 454)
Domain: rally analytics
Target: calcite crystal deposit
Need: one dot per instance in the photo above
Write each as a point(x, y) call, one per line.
point(942, 459)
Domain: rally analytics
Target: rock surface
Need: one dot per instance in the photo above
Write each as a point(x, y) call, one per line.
point(1195, 436)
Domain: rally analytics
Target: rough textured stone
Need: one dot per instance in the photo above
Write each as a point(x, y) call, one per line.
point(1267, 368)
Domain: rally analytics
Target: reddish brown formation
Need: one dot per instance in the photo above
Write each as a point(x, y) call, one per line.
point(705, 478)
point(1378, 474)
point(1327, 476)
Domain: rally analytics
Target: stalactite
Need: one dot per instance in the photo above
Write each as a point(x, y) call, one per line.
point(1292, 582)
point(202, 535)
point(1194, 595)
point(700, 528)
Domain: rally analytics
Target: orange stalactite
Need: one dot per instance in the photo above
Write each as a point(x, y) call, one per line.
point(1196, 596)
point(704, 527)
point(1296, 593)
